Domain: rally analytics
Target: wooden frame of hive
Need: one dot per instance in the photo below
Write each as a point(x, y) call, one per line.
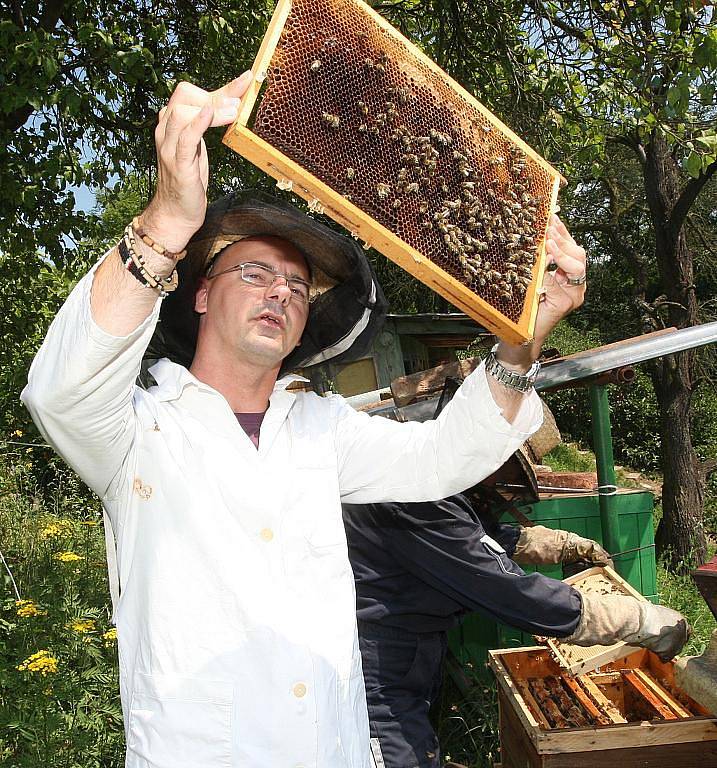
point(574, 658)
point(324, 198)
point(688, 738)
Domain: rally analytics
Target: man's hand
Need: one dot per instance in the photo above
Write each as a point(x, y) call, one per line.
point(538, 545)
point(180, 201)
point(558, 299)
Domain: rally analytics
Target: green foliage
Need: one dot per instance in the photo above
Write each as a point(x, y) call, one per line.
point(59, 688)
point(81, 86)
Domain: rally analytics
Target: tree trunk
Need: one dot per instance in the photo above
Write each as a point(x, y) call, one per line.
point(680, 535)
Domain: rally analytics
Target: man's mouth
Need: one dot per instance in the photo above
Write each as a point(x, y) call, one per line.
point(271, 319)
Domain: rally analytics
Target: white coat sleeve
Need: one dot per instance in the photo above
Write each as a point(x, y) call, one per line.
point(383, 460)
point(80, 388)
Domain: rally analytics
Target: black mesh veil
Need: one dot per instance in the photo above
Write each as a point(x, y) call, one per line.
point(343, 319)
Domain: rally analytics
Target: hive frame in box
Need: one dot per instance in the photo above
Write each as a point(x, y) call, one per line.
point(324, 198)
point(577, 659)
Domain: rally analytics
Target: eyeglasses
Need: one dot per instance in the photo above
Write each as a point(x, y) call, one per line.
point(264, 277)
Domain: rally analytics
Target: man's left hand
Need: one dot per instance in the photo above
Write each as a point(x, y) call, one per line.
point(566, 262)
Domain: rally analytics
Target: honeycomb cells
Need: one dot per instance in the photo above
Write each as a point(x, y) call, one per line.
point(356, 108)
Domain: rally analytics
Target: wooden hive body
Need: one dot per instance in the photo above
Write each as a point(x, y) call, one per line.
point(361, 124)
point(647, 721)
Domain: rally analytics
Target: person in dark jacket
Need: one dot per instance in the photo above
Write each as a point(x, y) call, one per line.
point(420, 567)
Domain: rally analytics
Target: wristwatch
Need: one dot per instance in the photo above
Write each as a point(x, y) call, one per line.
point(522, 382)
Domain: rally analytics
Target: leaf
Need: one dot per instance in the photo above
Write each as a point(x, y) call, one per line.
point(693, 164)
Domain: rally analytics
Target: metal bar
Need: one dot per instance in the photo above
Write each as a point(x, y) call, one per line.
point(648, 347)
point(602, 445)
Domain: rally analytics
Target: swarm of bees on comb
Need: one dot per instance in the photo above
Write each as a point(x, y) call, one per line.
point(353, 106)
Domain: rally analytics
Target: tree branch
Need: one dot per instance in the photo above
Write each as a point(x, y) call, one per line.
point(688, 196)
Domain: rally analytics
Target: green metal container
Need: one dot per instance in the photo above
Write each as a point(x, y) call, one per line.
point(478, 633)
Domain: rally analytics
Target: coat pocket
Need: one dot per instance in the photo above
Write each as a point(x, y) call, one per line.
point(179, 722)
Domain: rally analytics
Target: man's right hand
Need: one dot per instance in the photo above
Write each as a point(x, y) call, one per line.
point(179, 205)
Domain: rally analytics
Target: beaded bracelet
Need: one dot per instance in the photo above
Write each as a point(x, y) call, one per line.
point(153, 244)
point(135, 265)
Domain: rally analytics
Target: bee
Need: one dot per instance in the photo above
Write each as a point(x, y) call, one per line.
point(315, 65)
point(330, 42)
point(453, 205)
point(413, 187)
point(423, 207)
point(396, 203)
point(382, 190)
point(402, 174)
point(402, 95)
point(368, 63)
point(363, 107)
point(425, 224)
point(350, 173)
point(362, 128)
point(332, 121)
point(486, 128)
point(373, 130)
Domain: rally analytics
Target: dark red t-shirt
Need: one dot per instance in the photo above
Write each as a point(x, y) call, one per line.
point(251, 424)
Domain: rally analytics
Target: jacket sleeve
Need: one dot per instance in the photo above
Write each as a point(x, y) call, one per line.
point(445, 547)
point(383, 460)
point(80, 389)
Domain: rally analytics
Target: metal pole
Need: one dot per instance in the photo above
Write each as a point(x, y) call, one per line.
point(602, 444)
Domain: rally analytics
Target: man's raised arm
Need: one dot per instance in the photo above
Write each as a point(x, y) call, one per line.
point(119, 301)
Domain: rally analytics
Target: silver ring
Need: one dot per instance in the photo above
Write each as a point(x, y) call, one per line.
point(578, 280)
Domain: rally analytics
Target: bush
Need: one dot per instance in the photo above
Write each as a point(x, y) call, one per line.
point(59, 689)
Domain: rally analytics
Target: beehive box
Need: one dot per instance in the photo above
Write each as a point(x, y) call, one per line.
point(628, 713)
point(359, 122)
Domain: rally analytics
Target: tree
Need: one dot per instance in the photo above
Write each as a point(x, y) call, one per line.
point(80, 85)
point(640, 74)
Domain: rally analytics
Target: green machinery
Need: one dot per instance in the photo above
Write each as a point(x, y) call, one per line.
point(621, 519)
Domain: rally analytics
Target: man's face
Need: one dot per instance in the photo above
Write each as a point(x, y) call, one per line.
point(255, 325)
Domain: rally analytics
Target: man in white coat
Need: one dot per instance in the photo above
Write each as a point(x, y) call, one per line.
point(236, 621)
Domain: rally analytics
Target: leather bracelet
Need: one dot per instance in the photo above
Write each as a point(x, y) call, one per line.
point(153, 244)
point(134, 264)
point(521, 382)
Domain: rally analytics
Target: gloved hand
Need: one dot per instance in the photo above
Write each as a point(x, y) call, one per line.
point(605, 619)
point(580, 548)
point(538, 545)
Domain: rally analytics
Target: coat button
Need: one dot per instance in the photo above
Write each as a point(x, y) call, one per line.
point(266, 534)
point(299, 690)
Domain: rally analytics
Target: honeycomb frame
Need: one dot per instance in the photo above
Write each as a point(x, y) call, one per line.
point(326, 195)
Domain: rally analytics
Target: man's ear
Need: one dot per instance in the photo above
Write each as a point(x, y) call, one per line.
point(200, 297)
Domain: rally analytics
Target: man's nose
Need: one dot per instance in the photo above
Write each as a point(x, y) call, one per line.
point(279, 291)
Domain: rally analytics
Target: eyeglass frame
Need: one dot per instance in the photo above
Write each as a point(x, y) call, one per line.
point(240, 268)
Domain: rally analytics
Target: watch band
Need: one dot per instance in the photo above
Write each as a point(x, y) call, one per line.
point(522, 382)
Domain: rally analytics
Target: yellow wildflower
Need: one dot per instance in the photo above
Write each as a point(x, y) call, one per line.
point(68, 557)
point(27, 608)
point(56, 528)
point(82, 626)
point(89, 523)
point(42, 662)
point(110, 636)
point(17, 433)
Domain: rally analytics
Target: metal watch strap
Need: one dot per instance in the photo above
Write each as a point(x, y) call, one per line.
point(522, 382)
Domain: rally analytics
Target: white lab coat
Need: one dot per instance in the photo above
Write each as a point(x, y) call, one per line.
point(236, 623)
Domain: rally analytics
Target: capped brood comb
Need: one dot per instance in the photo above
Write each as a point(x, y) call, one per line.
point(357, 121)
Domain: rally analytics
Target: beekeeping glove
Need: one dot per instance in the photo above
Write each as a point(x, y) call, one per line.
point(605, 619)
point(538, 545)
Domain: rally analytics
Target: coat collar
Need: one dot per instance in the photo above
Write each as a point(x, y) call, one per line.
point(173, 378)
